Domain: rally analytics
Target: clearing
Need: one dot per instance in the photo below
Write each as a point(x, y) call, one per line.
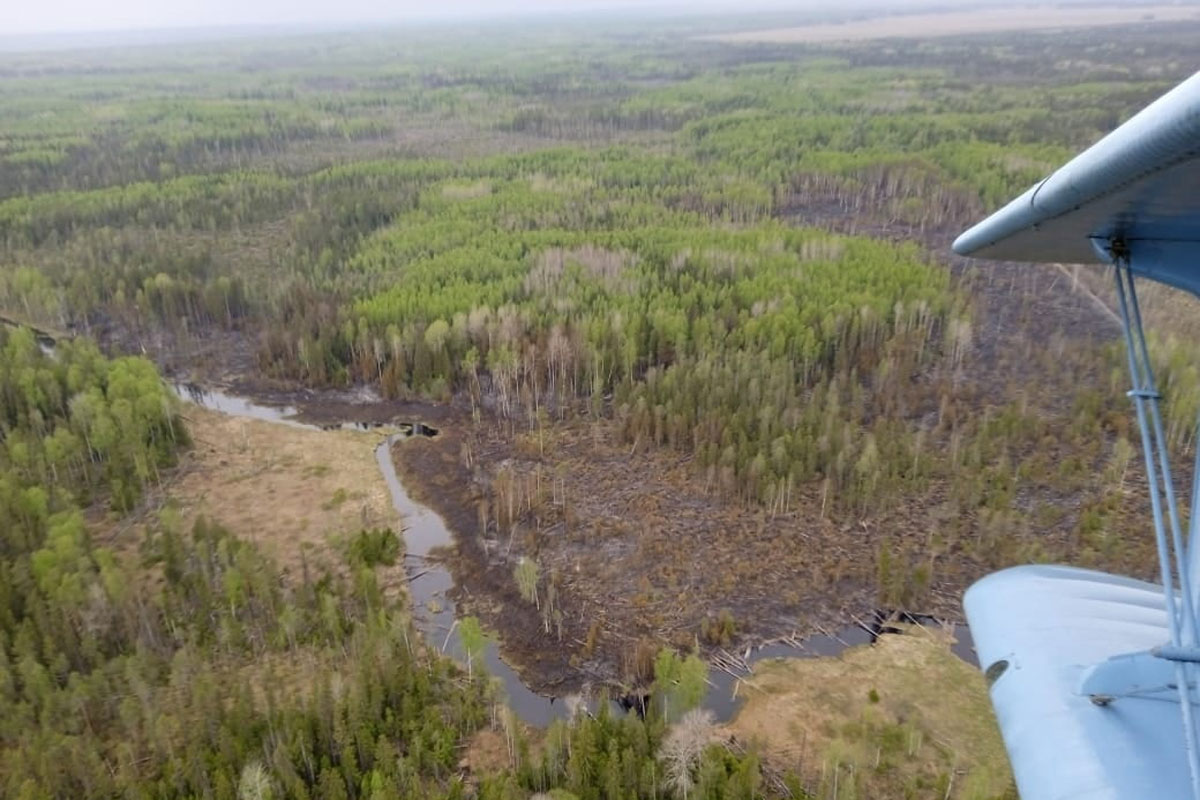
point(902, 717)
point(293, 492)
point(988, 20)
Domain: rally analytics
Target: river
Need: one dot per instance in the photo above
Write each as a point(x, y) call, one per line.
point(430, 582)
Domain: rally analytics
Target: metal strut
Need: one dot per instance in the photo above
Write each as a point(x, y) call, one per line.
point(1172, 554)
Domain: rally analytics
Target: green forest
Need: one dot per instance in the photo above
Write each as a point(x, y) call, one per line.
point(730, 255)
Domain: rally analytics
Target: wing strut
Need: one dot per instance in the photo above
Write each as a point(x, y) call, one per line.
point(1092, 674)
point(1184, 649)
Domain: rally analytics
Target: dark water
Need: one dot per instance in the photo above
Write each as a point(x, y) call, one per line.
point(430, 582)
point(238, 406)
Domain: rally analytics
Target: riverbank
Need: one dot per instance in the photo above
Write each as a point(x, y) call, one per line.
point(420, 570)
point(433, 473)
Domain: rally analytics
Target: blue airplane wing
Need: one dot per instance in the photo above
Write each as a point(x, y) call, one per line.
point(1094, 676)
point(1040, 632)
point(1140, 183)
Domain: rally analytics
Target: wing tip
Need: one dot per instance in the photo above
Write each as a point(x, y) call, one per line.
point(964, 245)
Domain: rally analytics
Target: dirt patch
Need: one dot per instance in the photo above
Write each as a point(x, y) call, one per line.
point(960, 23)
point(900, 713)
point(293, 492)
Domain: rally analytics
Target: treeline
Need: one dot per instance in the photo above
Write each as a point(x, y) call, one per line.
point(160, 257)
point(77, 428)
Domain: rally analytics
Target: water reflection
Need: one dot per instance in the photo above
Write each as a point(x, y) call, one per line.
point(238, 406)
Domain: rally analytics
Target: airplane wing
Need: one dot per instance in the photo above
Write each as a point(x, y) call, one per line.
point(1141, 183)
point(1094, 676)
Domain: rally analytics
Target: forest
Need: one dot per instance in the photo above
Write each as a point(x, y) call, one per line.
point(687, 308)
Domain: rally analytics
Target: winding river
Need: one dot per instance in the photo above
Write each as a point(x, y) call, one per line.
point(430, 582)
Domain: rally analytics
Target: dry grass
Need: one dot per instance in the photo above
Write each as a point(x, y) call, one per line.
point(929, 717)
point(293, 492)
point(989, 20)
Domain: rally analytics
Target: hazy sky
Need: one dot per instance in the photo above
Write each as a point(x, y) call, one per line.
point(59, 16)
point(43, 16)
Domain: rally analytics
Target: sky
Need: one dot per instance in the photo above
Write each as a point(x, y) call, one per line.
point(20, 17)
point(57, 16)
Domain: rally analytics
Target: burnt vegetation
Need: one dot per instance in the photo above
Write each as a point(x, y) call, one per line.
point(711, 378)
